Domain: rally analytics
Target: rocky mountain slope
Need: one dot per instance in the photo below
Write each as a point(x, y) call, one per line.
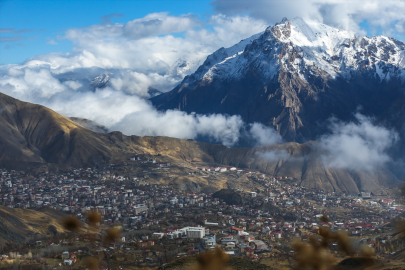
point(33, 135)
point(295, 76)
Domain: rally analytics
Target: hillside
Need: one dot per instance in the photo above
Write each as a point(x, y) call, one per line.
point(33, 135)
point(17, 224)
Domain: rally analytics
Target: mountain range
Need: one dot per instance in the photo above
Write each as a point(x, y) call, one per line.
point(296, 76)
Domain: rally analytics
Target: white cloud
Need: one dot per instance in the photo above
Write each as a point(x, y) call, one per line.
point(228, 30)
point(132, 83)
point(274, 155)
point(341, 14)
point(400, 26)
point(360, 145)
point(219, 128)
point(52, 42)
point(29, 82)
point(158, 24)
point(74, 85)
point(147, 44)
point(141, 53)
point(264, 135)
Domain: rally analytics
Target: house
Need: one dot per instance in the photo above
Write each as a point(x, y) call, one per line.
point(65, 255)
point(235, 230)
point(260, 245)
point(210, 223)
point(193, 232)
point(228, 238)
point(157, 235)
point(194, 251)
point(67, 262)
point(230, 245)
point(164, 165)
point(120, 239)
point(366, 195)
point(248, 251)
point(209, 241)
point(139, 208)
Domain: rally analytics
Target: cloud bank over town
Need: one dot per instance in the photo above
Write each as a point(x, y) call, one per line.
point(361, 145)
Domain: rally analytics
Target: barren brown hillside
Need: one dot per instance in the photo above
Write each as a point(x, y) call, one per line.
point(17, 224)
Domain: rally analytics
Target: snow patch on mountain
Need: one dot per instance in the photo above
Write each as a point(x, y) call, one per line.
point(182, 68)
point(221, 56)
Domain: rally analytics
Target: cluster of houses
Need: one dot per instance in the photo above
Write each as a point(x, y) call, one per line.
point(220, 169)
point(150, 160)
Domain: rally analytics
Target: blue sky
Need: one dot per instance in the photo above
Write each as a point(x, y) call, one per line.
point(44, 20)
point(31, 27)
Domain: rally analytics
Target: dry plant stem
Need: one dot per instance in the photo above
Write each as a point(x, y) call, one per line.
point(213, 260)
point(315, 254)
point(71, 224)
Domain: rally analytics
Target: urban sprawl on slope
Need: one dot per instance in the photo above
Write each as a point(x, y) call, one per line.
point(151, 214)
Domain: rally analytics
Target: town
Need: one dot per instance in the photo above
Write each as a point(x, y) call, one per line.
point(160, 222)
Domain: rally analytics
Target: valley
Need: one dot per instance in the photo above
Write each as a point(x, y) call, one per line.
point(309, 174)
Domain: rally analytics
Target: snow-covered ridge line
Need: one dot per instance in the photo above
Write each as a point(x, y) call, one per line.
point(301, 47)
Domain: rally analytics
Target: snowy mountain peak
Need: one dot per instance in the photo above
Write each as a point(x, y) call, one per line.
point(302, 33)
point(305, 48)
point(283, 20)
point(101, 81)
